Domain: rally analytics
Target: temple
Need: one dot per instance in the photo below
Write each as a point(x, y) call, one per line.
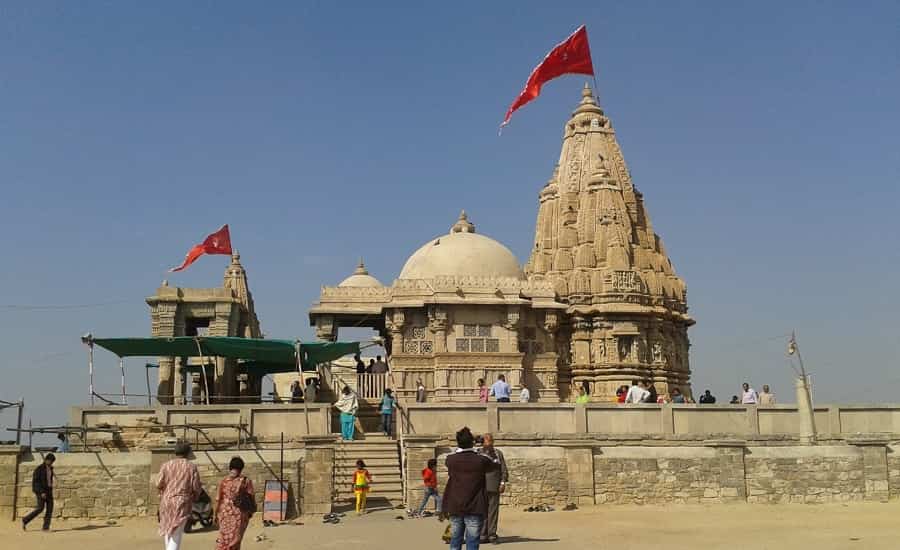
point(223, 311)
point(597, 304)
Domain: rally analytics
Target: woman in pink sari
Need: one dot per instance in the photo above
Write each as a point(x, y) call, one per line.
point(231, 519)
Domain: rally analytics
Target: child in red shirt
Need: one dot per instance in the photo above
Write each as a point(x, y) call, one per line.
point(429, 480)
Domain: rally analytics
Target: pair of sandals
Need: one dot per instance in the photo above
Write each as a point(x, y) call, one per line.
point(331, 518)
point(540, 508)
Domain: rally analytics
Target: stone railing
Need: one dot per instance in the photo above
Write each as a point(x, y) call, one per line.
point(663, 420)
point(232, 425)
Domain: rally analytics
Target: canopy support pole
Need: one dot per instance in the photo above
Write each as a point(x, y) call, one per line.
point(302, 385)
point(147, 373)
point(91, 369)
point(122, 368)
point(203, 369)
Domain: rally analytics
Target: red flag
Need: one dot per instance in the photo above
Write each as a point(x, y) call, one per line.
point(572, 56)
point(217, 243)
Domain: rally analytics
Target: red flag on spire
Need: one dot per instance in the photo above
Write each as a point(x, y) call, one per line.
point(572, 56)
point(217, 243)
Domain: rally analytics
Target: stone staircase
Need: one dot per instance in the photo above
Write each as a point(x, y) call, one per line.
point(382, 457)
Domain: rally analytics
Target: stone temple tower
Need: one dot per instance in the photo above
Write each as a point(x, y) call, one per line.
point(627, 309)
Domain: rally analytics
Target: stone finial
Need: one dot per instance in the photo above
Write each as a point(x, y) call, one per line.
point(463, 225)
point(588, 103)
point(361, 268)
point(236, 257)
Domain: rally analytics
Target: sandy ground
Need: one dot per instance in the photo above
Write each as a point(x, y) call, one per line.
point(793, 527)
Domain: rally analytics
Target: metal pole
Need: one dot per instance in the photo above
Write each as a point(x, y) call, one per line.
point(122, 368)
point(302, 386)
point(91, 368)
point(281, 480)
point(19, 421)
point(203, 369)
point(147, 373)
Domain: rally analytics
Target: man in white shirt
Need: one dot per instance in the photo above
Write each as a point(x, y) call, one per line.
point(766, 397)
point(636, 393)
point(524, 395)
point(749, 397)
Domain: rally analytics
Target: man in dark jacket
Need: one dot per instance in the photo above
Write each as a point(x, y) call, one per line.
point(464, 497)
point(495, 483)
point(42, 482)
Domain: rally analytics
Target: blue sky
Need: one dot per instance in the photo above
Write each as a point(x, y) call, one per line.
point(763, 137)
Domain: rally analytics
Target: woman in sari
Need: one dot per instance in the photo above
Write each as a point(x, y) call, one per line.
point(232, 521)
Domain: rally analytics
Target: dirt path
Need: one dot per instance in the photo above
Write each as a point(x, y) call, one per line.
point(757, 527)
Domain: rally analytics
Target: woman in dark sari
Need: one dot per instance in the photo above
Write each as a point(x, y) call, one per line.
point(231, 519)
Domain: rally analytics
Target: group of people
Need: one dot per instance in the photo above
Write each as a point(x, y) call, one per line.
point(476, 477)
point(375, 366)
point(501, 391)
point(749, 396)
point(308, 393)
point(179, 487)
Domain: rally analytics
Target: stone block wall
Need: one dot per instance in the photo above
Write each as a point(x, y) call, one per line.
point(537, 475)
point(562, 469)
point(90, 485)
point(9, 460)
point(804, 474)
point(644, 475)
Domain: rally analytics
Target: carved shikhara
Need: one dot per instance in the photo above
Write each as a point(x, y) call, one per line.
point(599, 304)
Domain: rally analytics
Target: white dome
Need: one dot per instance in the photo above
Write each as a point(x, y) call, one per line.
point(462, 252)
point(361, 278)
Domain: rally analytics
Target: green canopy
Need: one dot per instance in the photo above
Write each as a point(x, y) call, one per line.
point(280, 354)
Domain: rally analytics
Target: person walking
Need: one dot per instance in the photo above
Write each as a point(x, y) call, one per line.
point(348, 405)
point(482, 391)
point(494, 485)
point(63, 446)
point(749, 396)
point(235, 505)
point(361, 480)
point(429, 481)
point(178, 486)
point(465, 501)
point(388, 402)
point(500, 390)
point(766, 397)
point(42, 481)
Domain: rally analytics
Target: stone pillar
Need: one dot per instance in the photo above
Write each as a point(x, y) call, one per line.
point(580, 473)
point(9, 479)
point(875, 467)
point(165, 388)
point(417, 451)
point(317, 480)
point(732, 474)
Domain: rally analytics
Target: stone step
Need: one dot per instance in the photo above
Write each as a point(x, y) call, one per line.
point(377, 489)
point(377, 470)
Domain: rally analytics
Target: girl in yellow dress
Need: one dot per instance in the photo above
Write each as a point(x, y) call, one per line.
point(361, 480)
